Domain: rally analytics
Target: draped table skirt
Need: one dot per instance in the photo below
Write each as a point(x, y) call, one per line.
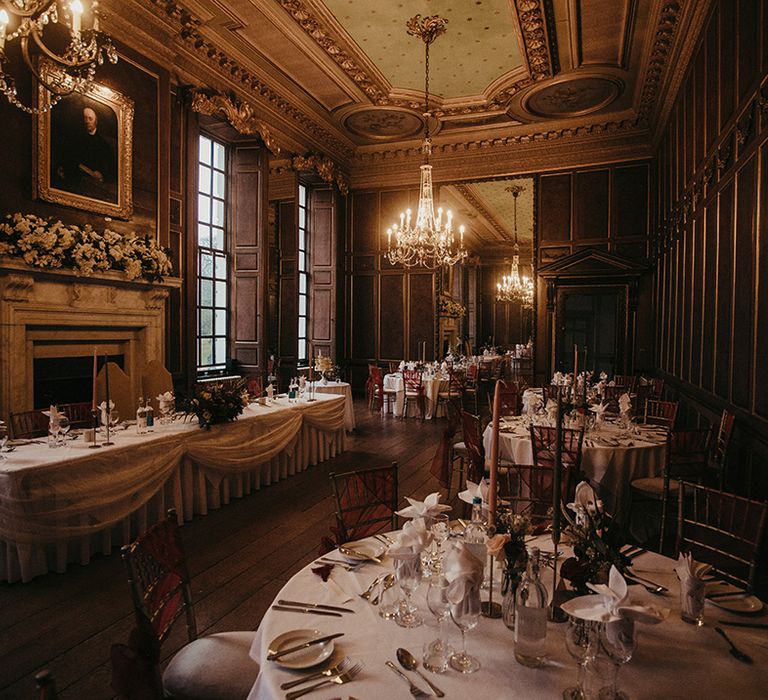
point(62, 506)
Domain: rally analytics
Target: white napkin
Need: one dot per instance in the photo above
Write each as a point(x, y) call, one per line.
point(557, 378)
point(691, 574)
point(270, 391)
point(586, 500)
point(427, 508)
point(464, 572)
point(103, 410)
point(603, 376)
point(599, 411)
point(551, 410)
point(53, 415)
point(302, 382)
point(531, 402)
point(612, 603)
point(474, 490)
point(625, 403)
point(413, 538)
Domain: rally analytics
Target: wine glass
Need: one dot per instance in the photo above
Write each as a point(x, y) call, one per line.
point(408, 575)
point(438, 526)
point(437, 652)
point(53, 432)
point(618, 640)
point(64, 426)
point(465, 616)
point(581, 643)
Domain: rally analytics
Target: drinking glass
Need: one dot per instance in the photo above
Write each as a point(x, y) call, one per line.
point(3, 441)
point(437, 653)
point(465, 616)
point(64, 427)
point(618, 640)
point(438, 526)
point(53, 433)
point(408, 576)
point(581, 643)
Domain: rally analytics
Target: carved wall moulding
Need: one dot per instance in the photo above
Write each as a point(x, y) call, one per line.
point(664, 39)
point(239, 114)
point(189, 30)
point(17, 288)
point(490, 217)
point(745, 126)
point(539, 50)
point(324, 168)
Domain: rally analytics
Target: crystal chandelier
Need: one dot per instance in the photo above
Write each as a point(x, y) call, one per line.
point(85, 49)
point(429, 242)
point(512, 287)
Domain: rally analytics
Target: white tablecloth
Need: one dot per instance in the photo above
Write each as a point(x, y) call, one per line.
point(432, 387)
point(61, 505)
point(610, 468)
point(672, 659)
point(345, 390)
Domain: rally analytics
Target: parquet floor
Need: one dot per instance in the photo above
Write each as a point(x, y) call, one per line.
point(239, 557)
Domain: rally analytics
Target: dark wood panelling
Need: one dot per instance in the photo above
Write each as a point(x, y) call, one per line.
point(322, 270)
point(724, 292)
point(629, 201)
point(748, 18)
point(365, 221)
point(363, 321)
point(392, 317)
point(321, 312)
point(421, 315)
point(727, 58)
point(697, 305)
point(555, 208)
point(699, 105)
point(761, 366)
point(712, 78)
point(246, 300)
point(590, 205)
point(710, 296)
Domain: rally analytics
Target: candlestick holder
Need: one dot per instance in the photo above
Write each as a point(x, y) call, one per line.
point(95, 424)
point(555, 612)
point(489, 608)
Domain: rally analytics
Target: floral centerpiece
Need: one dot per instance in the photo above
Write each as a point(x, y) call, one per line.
point(50, 244)
point(596, 542)
point(217, 402)
point(449, 307)
point(324, 365)
point(507, 545)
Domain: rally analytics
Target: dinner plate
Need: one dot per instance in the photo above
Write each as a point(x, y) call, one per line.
point(311, 656)
point(363, 550)
point(741, 602)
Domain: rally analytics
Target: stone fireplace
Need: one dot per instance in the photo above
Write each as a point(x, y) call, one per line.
point(56, 315)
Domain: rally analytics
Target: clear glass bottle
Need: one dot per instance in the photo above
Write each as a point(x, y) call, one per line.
point(141, 417)
point(150, 414)
point(531, 615)
point(476, 532)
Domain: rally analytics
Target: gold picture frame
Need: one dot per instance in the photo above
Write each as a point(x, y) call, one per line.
point(85, 149)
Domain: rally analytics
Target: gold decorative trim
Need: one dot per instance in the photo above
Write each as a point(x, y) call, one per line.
point(664, 40)
point(324, 168)
point(239, 114)
point(539, 51)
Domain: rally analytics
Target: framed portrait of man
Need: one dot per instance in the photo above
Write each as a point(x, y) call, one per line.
point(85, 150)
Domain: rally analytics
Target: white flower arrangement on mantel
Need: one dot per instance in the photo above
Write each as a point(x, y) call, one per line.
point(48, 244)
point(448, 307)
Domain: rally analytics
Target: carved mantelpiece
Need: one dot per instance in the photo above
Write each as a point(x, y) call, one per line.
point(56, 313)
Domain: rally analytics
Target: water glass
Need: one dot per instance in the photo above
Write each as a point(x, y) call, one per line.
point(437, 652)
point(408, 576)
point(618, 640)
point(692, 602)
point(465, 616)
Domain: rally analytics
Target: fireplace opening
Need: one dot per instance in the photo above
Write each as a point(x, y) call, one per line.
point(59, 380)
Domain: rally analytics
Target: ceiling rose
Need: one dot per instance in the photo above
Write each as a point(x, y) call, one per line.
point(571, 96)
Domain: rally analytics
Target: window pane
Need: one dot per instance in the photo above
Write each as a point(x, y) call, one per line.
point(302, 261)
point(302, 196)
point(218, 213)
point(218, 156)
point(302, 218)
point(206, 322)
point(302, 305)
point(302, 349)
point(218, 239)
point(206, 293)
point(218, 184)
point(221, 267)
point(205, 150)
point(221, 321)
point(204, 184)
point(204, 208)
point(302, 327)
point(206, 265)
point(206, 351)
point(203, 235)
point(302, 284)
point(221, 351)
point(221, 294)
point(302, 240)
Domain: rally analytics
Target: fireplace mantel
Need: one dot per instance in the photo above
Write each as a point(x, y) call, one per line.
point(47, 313)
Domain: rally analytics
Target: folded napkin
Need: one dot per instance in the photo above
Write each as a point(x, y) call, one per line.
point(428, 508)
point(691, 574)
point(413, 538)
point(270, 391)
point(531, 402)
point(625, 403)
point(103, 410)
point(464, 572)
point(599, 410)
point(612, 603)
point(474, 490)
point(302, 382)
point(54, 416)
point(558, 378)
point(585, 500)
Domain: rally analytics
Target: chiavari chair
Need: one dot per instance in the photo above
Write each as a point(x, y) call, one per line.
point(544, 446)
point(414, 389)
point(662, 413)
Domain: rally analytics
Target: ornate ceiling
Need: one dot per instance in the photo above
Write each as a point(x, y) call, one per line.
point(518, 86)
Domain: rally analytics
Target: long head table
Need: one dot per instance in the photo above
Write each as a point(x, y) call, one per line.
point(60, 505)
point(672, 659)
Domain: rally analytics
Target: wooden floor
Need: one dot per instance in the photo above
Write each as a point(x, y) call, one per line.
point(239, 558)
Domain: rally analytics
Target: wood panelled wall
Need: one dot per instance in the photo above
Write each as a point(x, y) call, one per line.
point(391, 309)
point(504, 323)
point(608, 208)
point(712, 284)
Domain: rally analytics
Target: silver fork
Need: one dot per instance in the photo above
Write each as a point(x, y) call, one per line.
point(366, 594)
point(340, 667)
point(388, 582)
point(345, 677)
point(415, 690)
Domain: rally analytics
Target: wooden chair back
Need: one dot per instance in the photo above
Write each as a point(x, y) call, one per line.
point(155, 380)
point(455, 382)
point(471, 435)
point(723, 440)
point(412, 381)
point(79, 414)
point(723, 530)
point(661, 413)
point(544, 445)
point(159, 580)
point(687, 453)
point(366, 501)
point(611, 395)
point(528, 490)
point(46, 686)
point(625, 380)
point(28, 424)
point(511, 398)
point(394, 366)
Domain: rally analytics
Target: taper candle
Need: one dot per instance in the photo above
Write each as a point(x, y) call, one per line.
point(95, 371)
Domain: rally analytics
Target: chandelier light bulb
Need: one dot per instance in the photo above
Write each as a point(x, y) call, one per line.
point(77, 11)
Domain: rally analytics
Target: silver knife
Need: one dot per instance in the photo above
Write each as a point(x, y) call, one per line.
point(322, 606)
point(358, 555)
point(306, 610)
point(319, 640)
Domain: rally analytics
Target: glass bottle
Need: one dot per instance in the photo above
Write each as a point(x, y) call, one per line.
point(475, 533)
point(141, 417)
point(150, 414)
point(531, 615)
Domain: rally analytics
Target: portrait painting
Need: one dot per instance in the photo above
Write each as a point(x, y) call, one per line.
point(84, 150)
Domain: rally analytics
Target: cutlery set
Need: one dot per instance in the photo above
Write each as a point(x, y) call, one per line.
point(409, 663)
point(374, 591)
point(310, 608)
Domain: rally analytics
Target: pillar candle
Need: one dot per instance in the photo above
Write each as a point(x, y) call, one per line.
point(494, 465)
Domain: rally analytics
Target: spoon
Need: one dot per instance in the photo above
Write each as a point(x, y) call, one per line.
point(409, 663)
point(735, 651)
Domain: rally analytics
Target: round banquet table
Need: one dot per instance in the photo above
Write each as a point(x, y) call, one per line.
point(672, 659)
point(610, 459)
point(432, 387)
point(345, 390)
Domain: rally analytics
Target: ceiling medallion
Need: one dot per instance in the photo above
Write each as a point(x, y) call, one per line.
point(383, 123)
point(429, 242)
point(569, 96)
